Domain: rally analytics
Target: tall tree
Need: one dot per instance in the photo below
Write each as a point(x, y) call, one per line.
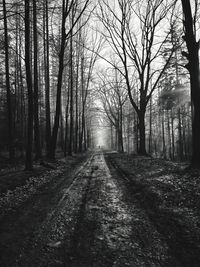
point(71, 131)
point(36, 115)
point(65, 12)
point(29, 146)
point(47, 77)
point(67, 7)
point(193, 67)
point(7, 71)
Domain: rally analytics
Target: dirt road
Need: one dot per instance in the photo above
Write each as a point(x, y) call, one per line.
point(88, 217)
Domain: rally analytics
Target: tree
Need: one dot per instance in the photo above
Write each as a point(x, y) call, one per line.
point(71, 131)
point(113, 97)
point(47, 78)
point(34, 89)
point(67, 7)
point(140, 53)
point(7, 71)
point(193, 67)
point(36, 115)
point(88, 61)
point(174, 93)
point(29, 146)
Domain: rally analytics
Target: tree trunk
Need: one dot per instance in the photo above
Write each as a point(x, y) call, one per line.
point(111, 139)
point(120, 147)
point(169, 135)
point(121, 129)
point(62, 142)
point(47, 79)
point(150, 127)
point(29, 148)
point(193, 67)
point(76, 121)
point(184, 137)
point(77, 109)
point(173, 141)
point(22, 111)
point(196, 122)
point(180, 135)
point(80, 133)
point(83, 105)
point(59, 89)
point(66, 132)
point(82, 130)
point(135, 133)
point(66, 124)
point(36, 116)
point(9, 104)
point(142, 142)
point(163, 133)
point(85, 137)
point(120, 140)
point(71, 130)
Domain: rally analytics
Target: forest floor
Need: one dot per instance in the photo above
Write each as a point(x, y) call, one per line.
point(101, 210)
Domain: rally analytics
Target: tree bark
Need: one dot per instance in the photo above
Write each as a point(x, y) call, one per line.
point(142, 136)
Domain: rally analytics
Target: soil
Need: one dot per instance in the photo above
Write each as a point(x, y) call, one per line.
point(103, 210)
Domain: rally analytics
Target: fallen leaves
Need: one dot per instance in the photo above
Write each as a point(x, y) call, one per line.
point(13, 199)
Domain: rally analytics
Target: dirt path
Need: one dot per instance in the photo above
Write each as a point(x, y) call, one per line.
point(88, 219)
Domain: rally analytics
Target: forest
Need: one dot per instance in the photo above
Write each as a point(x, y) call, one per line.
point(99, 86)
point(69, 68)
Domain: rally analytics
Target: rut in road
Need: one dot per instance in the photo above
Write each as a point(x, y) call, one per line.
point(94, 226)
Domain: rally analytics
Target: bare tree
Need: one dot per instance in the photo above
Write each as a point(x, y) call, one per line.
point(36, 87)
point(9, 102)
point(71, 74)
point(113, 96)
point(138, 48)
point(47, 76)
point(29, 147)
point(67, 7)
